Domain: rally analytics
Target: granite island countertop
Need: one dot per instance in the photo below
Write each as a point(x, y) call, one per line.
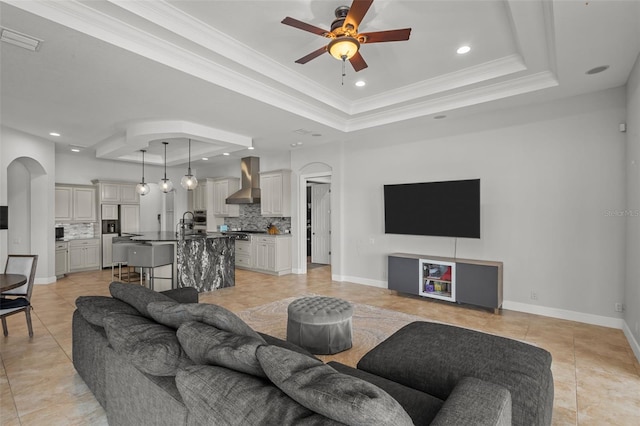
point(171, 236)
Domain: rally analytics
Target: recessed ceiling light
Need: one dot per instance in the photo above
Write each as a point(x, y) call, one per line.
point(75, 149)
point(54, 134)
point(597, 70)
point(463, 49)
point(251, 147)
point(361, 83)
point(205, 158)
point(225, 153)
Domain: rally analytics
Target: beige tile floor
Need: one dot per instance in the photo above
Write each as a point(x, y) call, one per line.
point(597, 378)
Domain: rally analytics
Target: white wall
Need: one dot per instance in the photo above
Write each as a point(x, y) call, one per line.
point(632, 286)
point(39, 156)
point(549, 173)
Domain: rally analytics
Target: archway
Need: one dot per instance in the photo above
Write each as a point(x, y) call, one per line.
point(27, 186)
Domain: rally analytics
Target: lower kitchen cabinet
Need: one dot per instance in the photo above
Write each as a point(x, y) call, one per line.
point(62, 258)
point(268, 253)
point(84, 255)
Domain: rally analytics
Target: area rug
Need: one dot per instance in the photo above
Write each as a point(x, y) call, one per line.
point(371, 325)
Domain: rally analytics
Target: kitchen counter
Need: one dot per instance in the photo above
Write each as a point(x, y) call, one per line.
point(171, 236)
point(203, 261)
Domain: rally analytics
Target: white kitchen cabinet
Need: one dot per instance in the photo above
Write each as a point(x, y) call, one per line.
point(117, 192)
point(219, 190)
point(62, 258)
point(75, 203)
point(129, 218)
point(128, 194)
point(84, 255)
point(107, 249)
point(64, 203)
point(199, 196)
point(84, 204)
point(275, 193)
point(265, 253)
point(109, 212)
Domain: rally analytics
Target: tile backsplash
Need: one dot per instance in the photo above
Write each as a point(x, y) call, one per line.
point(251, 219)
point(74, 231)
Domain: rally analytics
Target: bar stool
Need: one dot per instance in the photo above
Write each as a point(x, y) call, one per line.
point(151, 256)
point(120, 253)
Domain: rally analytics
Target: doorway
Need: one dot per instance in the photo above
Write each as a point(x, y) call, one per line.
point(318, 224)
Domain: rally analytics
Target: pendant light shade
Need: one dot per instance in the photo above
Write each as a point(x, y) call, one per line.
point(189, 181)
point(142, 188)
point(165, 184)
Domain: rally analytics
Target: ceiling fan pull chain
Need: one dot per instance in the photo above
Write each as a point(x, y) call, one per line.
point(344, 61)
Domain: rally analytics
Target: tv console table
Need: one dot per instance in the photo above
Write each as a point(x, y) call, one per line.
point(474, 282)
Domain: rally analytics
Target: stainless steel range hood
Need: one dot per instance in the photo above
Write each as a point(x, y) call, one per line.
point(250, 190)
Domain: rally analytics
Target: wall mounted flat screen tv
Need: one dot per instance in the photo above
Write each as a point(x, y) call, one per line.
point(4, 217)
point(444, 209)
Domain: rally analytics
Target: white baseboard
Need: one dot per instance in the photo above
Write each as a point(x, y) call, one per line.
point(360, 280)
point(45, 280)
point(564, 314)
point(635, 347)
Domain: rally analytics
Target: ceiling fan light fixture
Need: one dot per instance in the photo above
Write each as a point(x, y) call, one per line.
point(343, 48)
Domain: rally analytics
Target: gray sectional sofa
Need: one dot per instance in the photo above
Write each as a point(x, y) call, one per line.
point(163, 359)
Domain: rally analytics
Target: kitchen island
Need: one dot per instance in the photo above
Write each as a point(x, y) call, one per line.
point(203, 261)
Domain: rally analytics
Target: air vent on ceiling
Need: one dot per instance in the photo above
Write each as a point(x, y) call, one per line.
point(19, 39)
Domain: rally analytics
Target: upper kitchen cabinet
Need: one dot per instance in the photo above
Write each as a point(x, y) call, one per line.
point(199, 196)
point(219, 190)
point(117, 192)
point(275, 193)
point(129, 218)
point(75, 203)
point(64, 203)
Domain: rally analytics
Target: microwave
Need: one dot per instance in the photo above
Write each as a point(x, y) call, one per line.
point(59, 232)
point(200, 216)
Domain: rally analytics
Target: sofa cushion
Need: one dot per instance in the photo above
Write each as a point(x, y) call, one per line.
point(228, 397)
point(476, 402)
point(205, 344)
point(153, 348)
point(182, 294)
point(95, 308)
point(421, 407)
point(137, 296)
point(174, 315)
point(454, 353)
point(322, 389)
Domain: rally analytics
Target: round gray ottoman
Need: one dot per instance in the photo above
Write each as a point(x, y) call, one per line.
point(321, 325)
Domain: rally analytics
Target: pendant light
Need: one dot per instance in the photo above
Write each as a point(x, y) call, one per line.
point(189, 181)
point(165, 184)
point(142, 188)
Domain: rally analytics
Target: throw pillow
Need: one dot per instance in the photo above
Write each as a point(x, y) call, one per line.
point(174, 315)
point(151, 347)
point(233, 398)
point(137, 296)
point(205, 344)
point(322, 389)
point(95, 308)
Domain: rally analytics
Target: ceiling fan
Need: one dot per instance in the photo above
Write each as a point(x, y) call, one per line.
point(345, 38)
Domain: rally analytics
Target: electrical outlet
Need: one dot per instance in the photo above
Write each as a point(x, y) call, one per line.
point(619, 307)
point(534, 295)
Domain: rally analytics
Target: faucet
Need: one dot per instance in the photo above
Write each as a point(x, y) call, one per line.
point(183, 225)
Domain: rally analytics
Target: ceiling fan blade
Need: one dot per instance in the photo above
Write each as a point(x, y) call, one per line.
point(304, 26)
point(382, 36)
point(358, 63)
point(312, 55)
point(357, 11)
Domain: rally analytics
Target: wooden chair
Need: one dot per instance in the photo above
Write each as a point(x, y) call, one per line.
point(19, 299)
